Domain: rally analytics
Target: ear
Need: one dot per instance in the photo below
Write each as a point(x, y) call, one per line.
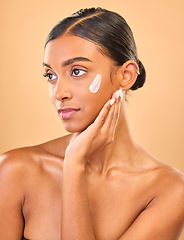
point(127, 74)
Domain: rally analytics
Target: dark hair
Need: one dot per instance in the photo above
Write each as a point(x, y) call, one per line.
point(108, 30)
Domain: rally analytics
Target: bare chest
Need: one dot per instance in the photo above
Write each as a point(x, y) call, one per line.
point(113, 207)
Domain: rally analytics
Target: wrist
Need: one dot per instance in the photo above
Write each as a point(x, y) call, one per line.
point(73, 163)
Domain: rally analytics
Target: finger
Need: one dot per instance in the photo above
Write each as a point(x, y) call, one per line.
point(109, 119)
point(75, 135)
point(104, 113)
point(113, 115)
point(108, 106)
point(115, 120)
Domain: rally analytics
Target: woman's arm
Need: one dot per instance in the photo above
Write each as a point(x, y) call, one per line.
point(11, 197)
point(163, 219)
point(76, 219)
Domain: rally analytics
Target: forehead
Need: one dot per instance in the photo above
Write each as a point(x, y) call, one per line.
point(68, 46)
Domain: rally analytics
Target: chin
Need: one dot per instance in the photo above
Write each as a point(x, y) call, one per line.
point(75, 128)
point(78, 124)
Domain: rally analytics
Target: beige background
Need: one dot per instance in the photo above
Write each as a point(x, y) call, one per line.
point(156, 112)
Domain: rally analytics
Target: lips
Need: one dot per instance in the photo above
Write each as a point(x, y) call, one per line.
point(67, 112)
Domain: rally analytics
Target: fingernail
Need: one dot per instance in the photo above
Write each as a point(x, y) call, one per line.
point(117, 94)
point(112, 101)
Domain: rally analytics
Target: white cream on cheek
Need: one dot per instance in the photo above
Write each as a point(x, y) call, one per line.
point(95, 85)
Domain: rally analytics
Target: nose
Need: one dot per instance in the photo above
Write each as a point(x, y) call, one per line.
point(62, 91)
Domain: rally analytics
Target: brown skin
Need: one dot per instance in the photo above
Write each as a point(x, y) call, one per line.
point(104, 186)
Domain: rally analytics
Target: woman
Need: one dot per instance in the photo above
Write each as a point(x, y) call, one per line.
point(97, 182)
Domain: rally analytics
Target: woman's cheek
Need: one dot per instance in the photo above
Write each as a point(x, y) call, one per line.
point(51, 93)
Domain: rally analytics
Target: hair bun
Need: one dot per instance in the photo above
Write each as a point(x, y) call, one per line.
point(141, 78)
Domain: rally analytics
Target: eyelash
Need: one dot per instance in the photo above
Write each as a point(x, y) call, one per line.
point(47, 74)
point(74, 69)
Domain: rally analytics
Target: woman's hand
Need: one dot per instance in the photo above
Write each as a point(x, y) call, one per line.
point(76, 219)
point(99, 134)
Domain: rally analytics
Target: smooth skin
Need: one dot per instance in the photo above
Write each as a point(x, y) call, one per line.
point(97, 183)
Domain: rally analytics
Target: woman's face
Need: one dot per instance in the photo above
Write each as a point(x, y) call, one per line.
point(71, 64)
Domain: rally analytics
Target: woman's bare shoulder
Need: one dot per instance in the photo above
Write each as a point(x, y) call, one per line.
point(16, 158)
point(55, 147)
point(25, 160)
point(148, 162)
point(168, 180)
point(14, 168)
point(161, 177)
point(169, 187)
point(173, 179)
point(167, 173)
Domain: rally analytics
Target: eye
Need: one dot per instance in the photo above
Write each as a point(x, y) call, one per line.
point(49, 76)
point(76, 72)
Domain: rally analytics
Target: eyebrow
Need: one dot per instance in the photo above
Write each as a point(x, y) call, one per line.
point(70, 61)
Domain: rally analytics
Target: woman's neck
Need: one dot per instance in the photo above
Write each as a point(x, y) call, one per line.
point(120, 151)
